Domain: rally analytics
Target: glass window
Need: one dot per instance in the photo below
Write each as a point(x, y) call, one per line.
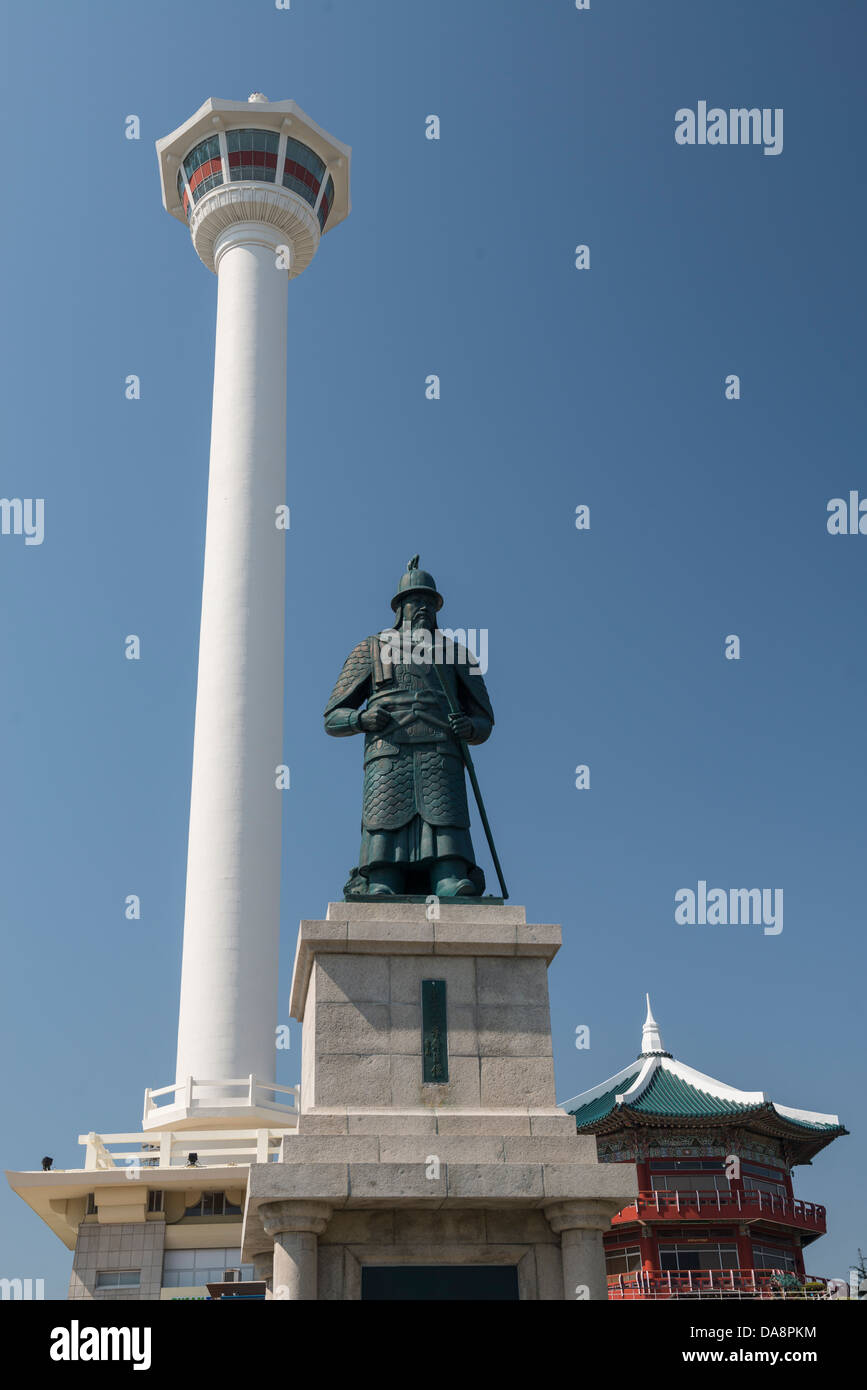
point(203, 167)
point(771, 1189)
point(118, 1278)
point(708, 1256)
point(689, 1182)
point(768, 1257)
point(194, 1268)
point(252, 155)
point(302, 171)
point(213, 1204)
point(623, 1261)
point(691, 1165)
point(760, 1170)
point(327, 202)
point(307, 158)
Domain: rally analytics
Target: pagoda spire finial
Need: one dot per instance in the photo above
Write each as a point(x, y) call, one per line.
point(651, 1039)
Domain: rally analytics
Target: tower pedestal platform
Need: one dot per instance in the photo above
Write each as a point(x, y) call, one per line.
point(428, 1138)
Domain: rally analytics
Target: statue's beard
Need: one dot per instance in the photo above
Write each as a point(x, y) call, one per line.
point(420, 624)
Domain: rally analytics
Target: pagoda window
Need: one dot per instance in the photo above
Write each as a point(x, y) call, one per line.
point(758, 1178)
point(774, 1257)
point(685, 1175)
point(711, 1255)
point(624, 1261)
point(689, 1182)
point(770, 1189)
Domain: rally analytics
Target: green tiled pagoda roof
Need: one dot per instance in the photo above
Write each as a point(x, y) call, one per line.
point(671, 1095)
point(602, 1105)
point(658, 1091)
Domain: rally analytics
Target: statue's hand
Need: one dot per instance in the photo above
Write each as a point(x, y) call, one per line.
point(461, 725)
point(373, 720)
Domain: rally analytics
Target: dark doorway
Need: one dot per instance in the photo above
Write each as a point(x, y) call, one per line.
point(439, 1282)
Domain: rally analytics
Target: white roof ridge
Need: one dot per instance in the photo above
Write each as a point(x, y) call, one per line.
point(811, 1116)
point(720, 1089)
point(642, 1080)
point(585, 1097)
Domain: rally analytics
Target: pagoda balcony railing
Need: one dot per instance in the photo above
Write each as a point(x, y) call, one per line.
point(715, 1283)
point(707, 1205)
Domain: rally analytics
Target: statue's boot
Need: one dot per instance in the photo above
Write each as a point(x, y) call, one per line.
point(384, 881)
point(449, 880)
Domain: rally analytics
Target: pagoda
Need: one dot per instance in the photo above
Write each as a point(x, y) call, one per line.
point(715, 1214)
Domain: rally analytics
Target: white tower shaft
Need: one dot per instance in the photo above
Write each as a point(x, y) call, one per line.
point(228, 1010)
point(257, 184)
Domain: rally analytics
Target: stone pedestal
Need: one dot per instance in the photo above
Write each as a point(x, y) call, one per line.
point(386, 1168)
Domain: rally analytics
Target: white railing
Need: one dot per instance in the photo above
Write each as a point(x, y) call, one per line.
point(228, 1148)
point(708, 1203)
point(189, 1095)
point(719, 1283)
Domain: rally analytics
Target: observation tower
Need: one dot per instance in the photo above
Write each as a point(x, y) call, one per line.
point(259, 184)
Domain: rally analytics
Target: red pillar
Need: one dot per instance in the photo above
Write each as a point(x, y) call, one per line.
point(745, 1249)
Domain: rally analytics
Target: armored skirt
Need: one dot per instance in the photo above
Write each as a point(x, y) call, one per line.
point(416, 843)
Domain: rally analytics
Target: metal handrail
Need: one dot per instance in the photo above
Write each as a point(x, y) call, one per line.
point(681, 1202)
point(662, 1283)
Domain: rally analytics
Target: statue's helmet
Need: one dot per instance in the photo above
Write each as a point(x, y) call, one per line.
point(416, 581)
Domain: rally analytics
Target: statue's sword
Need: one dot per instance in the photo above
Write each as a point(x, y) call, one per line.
point(468, 764)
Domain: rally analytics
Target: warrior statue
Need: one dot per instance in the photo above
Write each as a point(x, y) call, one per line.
point(423, 695)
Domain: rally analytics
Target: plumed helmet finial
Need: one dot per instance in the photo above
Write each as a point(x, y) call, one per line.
point(416, 581)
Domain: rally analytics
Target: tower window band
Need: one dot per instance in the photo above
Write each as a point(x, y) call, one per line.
point(252, 157)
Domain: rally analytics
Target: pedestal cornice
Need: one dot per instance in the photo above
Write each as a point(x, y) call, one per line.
point(405, 929)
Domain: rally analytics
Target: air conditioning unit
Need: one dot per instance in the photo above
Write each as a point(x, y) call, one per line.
point(231, 1276)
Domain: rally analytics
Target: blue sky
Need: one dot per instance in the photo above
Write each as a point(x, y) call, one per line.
point(559, 388)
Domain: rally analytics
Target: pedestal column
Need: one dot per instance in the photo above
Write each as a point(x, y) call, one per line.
point(580, 1225)
point(263, 1267)
point(295, 1228)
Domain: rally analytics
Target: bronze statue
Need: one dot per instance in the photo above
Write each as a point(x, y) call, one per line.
point(424, 700)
